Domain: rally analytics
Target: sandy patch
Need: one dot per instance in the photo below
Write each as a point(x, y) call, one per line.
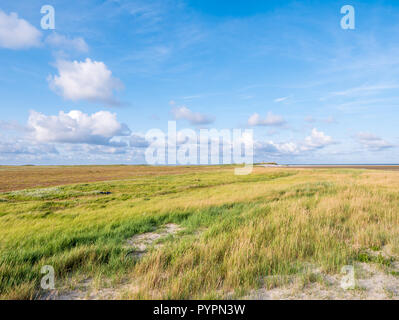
point(142, 242)
point(85, 289)
point(372, 282)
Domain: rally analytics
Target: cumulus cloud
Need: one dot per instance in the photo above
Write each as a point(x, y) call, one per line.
point(290, 148)
point(63, 42)
point(17, 33)
point(77, 127)
point(372, 142)
point(193, 117)
point(85, 80)
point(270, 120)
point(316, 140)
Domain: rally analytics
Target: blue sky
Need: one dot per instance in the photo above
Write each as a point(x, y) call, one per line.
point(88, 91)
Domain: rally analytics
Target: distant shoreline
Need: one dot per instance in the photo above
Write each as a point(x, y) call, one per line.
point(332, 165)
point(342, 166)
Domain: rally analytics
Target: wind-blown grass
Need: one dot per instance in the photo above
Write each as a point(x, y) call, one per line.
point(236, 229)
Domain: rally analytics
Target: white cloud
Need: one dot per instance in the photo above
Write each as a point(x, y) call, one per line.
point(365, 89)
point(99, 150)
point(77, 127)
point(61, 41)
point(270, 120)
point(11, 126)
point(372, 142)
point(193, 117)
point(85, 80)
point(17, 33)
point(138, 141)
point(21, 147)
point(280, 99)
point(277, 148)
point(316, 140)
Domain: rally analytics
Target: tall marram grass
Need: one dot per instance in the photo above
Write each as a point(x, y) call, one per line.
point(239, 232)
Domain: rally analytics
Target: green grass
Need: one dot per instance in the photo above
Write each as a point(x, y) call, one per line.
point(236, 230)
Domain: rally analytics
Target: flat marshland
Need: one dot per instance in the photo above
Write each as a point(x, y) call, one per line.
point(141, 232)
